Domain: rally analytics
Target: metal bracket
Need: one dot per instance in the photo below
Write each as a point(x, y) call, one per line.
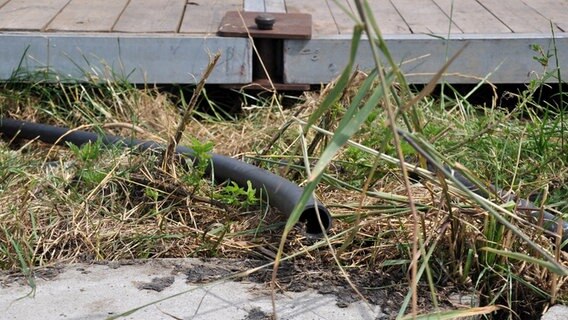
point(268, 31)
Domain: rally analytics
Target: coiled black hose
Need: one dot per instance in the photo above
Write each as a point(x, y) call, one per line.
point(282, 194)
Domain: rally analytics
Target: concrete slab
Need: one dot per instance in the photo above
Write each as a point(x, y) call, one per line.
point(557, 312)
point(103, 291)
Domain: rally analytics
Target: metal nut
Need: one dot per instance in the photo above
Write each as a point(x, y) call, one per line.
point(264, 21)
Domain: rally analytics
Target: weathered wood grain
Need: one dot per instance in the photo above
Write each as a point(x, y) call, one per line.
point(506, 57)
point(471, 17)
point(88, 15)
point(29, 15)
point(424, 17)
point(150, 59)
point(322, 19)
point(277, 6)
point(341, 18)
point(151, 16)
point(22, 55)
point(518, 16)
point(388, 18)
point(553, 10)
point(163, 58)
point(254, 5)
point(204, 16)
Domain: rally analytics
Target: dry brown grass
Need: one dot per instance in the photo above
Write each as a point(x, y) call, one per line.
point(49, 214)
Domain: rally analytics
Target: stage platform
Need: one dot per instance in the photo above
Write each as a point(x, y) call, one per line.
point(171, 41)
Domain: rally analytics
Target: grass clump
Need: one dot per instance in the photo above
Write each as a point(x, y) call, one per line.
point(98, 203)
point(66, 204)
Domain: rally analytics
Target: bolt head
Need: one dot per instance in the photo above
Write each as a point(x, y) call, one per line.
point(265, 21)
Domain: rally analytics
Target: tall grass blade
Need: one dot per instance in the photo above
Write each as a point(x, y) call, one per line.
point(335, 94)
point(348, 126)
point(484, 203)
point(455, 314)
point(526, 258)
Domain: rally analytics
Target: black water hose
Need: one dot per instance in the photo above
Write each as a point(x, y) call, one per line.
point(281, 193)
point(549, 220)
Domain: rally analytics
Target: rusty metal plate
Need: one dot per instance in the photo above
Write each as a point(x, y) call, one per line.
point(287, 25)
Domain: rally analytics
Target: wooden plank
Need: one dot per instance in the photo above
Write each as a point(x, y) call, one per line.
point(518, 16)
point(424, 17)
point(553, 10)
point(277, 6)
point(467, 15)
point(507, 57)
point(254, 6)
point(322, 19)
point(151, 16)
point(343, 21)
point(29, 15)
point(22, 54)
point(388, 18)
point(88, 15)
point(204, 16)
point(149, 59)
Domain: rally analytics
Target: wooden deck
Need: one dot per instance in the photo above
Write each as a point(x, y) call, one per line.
point(170, 41)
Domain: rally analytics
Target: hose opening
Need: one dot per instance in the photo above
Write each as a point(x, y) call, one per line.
point(310, 218)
